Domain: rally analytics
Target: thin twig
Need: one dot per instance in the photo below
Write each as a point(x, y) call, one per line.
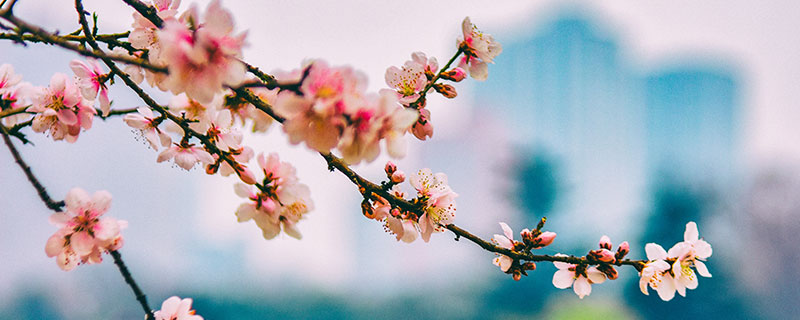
point(40, 189)
point(140, 296)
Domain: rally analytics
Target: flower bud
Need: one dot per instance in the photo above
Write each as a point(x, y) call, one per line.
point(623, 250)
point(456, 74)
point(246, 175)
point(389, 168)
point(446, 90)
point(528, 266)
point(605, 242)
point(526, 235)
point(367, 209)
point(545, 239)
point(398, 176)
point(603, 255)
point(609, 271)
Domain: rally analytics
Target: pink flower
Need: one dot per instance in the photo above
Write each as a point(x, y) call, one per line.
point(440, 204)
point(479, 49)
point(91, 81)
point(61, 110)
point(175, 308)
point(185, 156)
point(656, 273)
point(242, 110)
point(202, 61)
point(15, 97)
point(409, 80)
point(505, 241)
point(145, 122)
point(280, 201)
point(8, 78)
point(579, 277)
point(374, 119)
point(84, 233)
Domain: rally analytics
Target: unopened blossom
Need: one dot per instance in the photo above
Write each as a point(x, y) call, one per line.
point(279, 202)
point(506, 240)
point(423, 128)
point(479, 49)
point(84, 232)
point(175, 308)
point(579, 277)
point(408, 81)
point(439, 199)
point(689, 253)
point(203, 60)
point(656, 273)
point(61, 109)
point(145, 122)
point(91, 81)
point(185, 155)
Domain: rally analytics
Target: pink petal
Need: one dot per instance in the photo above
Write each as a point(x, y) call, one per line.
point(82, 243)
point(655, 252)
point(582, 287)
point(54, 245)
point(666, 290)
point(505, 263)
point(67, 117)
point(506, 230)
point(691, 234)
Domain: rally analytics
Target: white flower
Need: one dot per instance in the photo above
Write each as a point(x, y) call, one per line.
point(505, 241)
point(656, 273)
point(581, 282)
point(688, 254)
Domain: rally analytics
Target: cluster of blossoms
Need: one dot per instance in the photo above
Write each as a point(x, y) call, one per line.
point(84, 233)
point(279, 202)
point(670, 271)
point(331, 109)
point(535, 239)
point(202, 55)
point(63, 108)
point(581, 276)
point(435, 199)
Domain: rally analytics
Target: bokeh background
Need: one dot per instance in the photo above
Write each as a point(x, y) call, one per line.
point(624, 118)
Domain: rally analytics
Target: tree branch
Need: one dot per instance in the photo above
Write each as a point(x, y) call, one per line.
point(40, 189)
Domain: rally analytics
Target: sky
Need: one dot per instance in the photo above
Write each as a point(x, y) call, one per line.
point(190, 212)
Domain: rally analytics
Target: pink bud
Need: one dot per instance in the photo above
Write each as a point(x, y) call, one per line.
point(624, 249)
point(268, 205)
point(545, 239)
point(423, 128)
point(455, 74)
point(390, 168)
point(398, 176)
point(246, 175)
point(605, 242)
point(605, 255)
point(446, 90)
point(526, 234)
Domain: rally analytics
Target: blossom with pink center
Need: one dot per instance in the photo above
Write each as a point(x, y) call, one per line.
point(15, 97)
point(656, 273)
point(185, 155)
point(280, 202)
point(429, 65)
point(375, 119)
point(202, 61)
point(182, 105)
point(221, 132)
point(61, 110)
point(84, 233)
point(175, 308)
point(506, 240)
point(579, 277)
point(440, 204)
point(479, 49)
point(91, 80)
point(145, 122)
point(409, 80)
point(689, 253)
